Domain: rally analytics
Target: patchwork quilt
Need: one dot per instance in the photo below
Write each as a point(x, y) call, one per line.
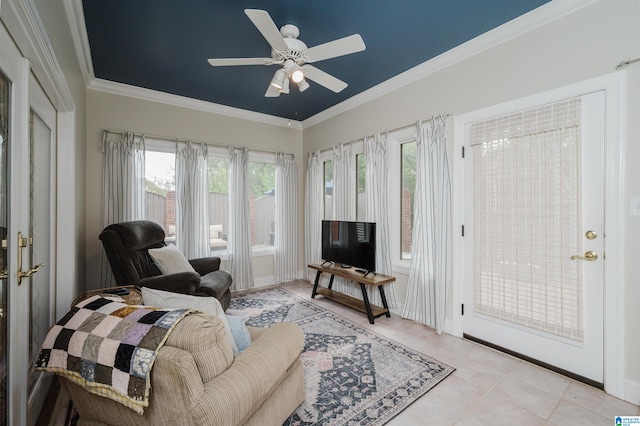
point(109, 347)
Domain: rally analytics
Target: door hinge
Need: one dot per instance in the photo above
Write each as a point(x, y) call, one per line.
point(463, 230)
point(462, 310)
point(463, 152)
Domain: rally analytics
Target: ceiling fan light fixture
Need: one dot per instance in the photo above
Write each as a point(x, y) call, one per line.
point(278, 79)
point(303, 85)
point(297, 75)
point(285, 87)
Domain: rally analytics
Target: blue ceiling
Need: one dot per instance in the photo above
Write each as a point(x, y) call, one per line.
point(164, 45)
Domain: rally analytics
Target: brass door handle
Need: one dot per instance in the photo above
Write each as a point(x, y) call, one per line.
point(27, 274)
point(3, 274)
point(22, 243)
point(590, 256)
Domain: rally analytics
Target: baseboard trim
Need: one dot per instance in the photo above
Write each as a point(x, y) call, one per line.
point(264, 281)
point(632, 391)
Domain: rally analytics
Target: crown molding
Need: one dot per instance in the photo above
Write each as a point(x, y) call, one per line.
point(75, 15)
point(509, 30)
point(23, 22)
point(184, 102)
point(78, 27)
point(520, 25)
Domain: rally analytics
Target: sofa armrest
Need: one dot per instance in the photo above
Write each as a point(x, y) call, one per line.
point(204, 265)
point(182, 282)
point(234, 395)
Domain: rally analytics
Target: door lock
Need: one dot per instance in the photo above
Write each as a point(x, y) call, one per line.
point(590, 256)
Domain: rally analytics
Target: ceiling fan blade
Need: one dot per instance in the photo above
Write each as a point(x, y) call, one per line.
point(265, 25)
point(224, 62)
point(321, 77)
point(332, 49)
point(272, 91)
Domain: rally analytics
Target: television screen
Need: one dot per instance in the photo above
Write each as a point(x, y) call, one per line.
point(351, 244)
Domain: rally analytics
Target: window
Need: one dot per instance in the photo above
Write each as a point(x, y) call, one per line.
point(408, 187)
point(328, 189)
point(361, 200)
point(262, 205)
point(218, 177)
point(160, 177)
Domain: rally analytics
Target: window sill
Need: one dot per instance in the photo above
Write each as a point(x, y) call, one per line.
point(256, 252)
point(402, 267)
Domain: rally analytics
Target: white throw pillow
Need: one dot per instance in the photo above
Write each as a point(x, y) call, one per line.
point(169, 260)
point(208, 305)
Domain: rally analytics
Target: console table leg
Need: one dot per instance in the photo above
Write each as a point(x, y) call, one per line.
point(384, 301)
point(367, 305)
point(331, 282)
point(315, 285)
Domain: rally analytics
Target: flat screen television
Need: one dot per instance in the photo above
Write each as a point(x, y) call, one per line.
point(349, 244)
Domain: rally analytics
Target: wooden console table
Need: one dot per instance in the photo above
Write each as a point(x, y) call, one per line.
point(363, 305)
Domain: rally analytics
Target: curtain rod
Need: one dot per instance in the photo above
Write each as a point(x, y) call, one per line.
point(396, 129)
point(165, 138)
point(626, 62)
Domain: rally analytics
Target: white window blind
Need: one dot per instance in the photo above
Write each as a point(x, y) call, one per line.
point(527, 218)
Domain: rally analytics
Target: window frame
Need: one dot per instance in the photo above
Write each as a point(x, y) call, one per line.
point(170, 147)
point(261, 157)
point(395, 140)
point(327, 155)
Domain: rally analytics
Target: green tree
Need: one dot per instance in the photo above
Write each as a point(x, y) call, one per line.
point(218, 171)
point(262, 178)
point(361, 164)
point(160, 186)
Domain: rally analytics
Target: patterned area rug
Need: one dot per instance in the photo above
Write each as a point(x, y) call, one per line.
point(353, 376)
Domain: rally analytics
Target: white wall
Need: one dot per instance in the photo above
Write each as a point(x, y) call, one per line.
point(107, 111)
point(587, 43)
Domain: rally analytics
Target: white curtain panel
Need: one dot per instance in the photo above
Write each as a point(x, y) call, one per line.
point(192, 207)
point(286, 241)
point(314, 208)
point(123, 185)
point(376, 178)
point(344, 201)
point(344, 187)
point(430, 274)
point(239, 261)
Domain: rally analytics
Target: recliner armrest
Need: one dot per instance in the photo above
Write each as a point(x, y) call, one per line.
point(204, 265)
point(182, 282)
point(231, 397)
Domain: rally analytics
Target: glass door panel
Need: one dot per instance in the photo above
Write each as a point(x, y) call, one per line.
point(40, 229)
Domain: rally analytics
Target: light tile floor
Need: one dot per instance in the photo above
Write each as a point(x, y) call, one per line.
point(487, 388)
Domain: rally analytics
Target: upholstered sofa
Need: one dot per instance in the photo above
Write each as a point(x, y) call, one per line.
point(197, 381)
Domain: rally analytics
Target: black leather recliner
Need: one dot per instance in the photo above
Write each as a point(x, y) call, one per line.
point(126, 245)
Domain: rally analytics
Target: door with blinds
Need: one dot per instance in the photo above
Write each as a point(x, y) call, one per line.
point(534, 232)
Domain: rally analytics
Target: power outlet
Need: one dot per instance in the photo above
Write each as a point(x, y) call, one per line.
point(634, 206)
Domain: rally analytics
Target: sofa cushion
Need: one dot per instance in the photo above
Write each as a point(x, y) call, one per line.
point(170, 261)
point(208, 305)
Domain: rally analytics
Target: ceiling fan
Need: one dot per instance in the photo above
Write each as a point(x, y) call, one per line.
point(294, 56)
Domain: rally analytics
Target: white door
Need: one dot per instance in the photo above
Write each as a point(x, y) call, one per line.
point(534, 233)
point(27, 132)
point(42, 239)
